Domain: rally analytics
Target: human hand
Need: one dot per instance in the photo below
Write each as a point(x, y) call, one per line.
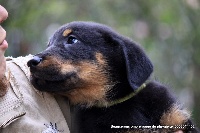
point(3, 42)
point(3, 47)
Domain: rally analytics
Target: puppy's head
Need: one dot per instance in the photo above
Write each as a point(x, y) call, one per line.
point(90, 64)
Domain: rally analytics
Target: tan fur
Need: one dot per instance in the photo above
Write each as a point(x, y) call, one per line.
point(95, 81)
point(67, 32)
point(93, 77)
point(95, 85)
point(175, 116)
point(67, 67)
point(63, 67)
point(100, 59)
point(49, 61)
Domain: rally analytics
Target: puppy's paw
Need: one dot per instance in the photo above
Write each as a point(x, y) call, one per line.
point(176, 119)
point(175, 116)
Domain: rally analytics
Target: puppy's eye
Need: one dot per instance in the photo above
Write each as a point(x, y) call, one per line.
point(72, 40)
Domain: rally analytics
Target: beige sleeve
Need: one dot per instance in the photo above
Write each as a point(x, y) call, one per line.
point(24, 109)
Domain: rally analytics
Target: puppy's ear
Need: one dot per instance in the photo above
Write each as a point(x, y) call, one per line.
point(138, 65)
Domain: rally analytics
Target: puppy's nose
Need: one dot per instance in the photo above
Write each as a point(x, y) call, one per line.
point(34, 62)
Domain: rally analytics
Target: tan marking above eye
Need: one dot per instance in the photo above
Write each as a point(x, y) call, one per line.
point(67, 32)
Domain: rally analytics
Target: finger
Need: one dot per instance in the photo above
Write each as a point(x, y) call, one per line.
point(2, 35)
point(3, 14)
point(3, 47)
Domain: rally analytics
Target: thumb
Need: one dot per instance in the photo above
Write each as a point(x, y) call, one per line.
point(3, 42)
point(3, 47)
point(3, 14)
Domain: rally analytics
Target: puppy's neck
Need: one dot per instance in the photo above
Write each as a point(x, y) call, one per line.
point(121, 100)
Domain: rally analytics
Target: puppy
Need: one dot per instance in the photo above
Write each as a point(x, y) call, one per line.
point(107, 76)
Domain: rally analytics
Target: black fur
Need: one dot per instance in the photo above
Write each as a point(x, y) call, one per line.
point(126, 65)
point(141, 110)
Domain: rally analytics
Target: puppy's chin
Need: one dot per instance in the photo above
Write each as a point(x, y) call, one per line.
point(46, 85)
point(54, 85)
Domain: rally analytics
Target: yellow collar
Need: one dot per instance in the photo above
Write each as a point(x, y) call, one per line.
point(122, 99)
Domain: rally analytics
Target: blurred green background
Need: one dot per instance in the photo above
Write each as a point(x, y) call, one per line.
point(169, 31)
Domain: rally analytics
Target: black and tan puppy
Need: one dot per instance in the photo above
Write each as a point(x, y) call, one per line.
point(106, 75)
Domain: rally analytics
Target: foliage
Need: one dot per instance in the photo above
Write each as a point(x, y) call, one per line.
point(168, 30)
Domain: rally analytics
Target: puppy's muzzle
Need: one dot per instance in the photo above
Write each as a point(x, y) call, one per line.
point(34, 62)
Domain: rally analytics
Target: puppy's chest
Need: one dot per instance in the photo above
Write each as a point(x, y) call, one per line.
point(113, 119)
point(141, 110)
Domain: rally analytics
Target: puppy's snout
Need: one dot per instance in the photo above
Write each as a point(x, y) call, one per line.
point(34, 62)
